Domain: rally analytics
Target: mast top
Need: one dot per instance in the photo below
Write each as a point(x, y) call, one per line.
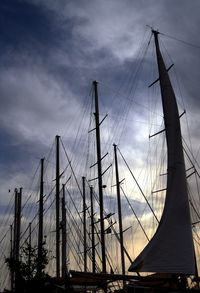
point(155, 32)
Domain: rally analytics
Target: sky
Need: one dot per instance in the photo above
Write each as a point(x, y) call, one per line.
point(51, 51)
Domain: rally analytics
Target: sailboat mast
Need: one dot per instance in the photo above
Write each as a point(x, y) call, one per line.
point(64, 236)
point(84, 227)
point(40, 232)
point(11, 257)
point(17, 230)
point(29, 251)
point(92, 229)
point(98, 145)
point(171, 249)
point(119, 210)
point(18, 227)
point(176, 163)
point(57, 206)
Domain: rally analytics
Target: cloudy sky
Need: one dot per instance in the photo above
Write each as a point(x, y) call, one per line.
point(51, 51)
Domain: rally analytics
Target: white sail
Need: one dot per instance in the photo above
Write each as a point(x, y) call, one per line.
point(171, 248)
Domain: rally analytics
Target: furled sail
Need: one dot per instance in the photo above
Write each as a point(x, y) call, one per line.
point(171, 249)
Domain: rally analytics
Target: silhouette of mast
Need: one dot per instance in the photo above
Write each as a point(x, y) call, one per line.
point(119, 210)
point(57, 206)
point(92, 230)
point(40, 230)
point(98, 146)
point(17, 229)
point(84, 226)
point(64, 236)
point(171, 249)
point(11, 257)
point(29, 252)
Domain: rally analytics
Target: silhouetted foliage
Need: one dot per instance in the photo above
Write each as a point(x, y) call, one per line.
point(28, 277)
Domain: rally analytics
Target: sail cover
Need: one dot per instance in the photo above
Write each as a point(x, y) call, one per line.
point(171, 248)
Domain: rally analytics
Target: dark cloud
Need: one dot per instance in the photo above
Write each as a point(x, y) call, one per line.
point(51, 51)
point(26, 26)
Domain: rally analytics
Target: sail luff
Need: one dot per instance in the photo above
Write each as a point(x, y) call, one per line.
point(171, 248)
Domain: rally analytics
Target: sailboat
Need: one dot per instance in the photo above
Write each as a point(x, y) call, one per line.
point(169, 257)
point(171, 250)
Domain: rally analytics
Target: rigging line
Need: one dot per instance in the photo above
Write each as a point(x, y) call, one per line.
point(193, 202)
point(138, 186)
point(96, 231)
point(132, 91)
point(117, 92)
point(108, 257)
point(33, 229)
point(113, 229)
point(78, 231)
point(71, 168)
point(197, 242)
point(31, 207)
point(4, 235)
point(75, 255)
point(32, 180)
point(77, 227)
point(195, 232)
point(7, 207)
point(129, 89)
point(194, 208)
point(181, 41)
point(37, 213)
point(8, 213)
point(135, 214)
point(134, 120)
point(118, 238)
point(75, 224)
point(85, 102)
point(76, 212)
point(47, 160)
point(191, 156)
point(197, 152)
point(6, 279)
point(74, 242)
point(197, 184)
point(2, 251)
point(138, 67)
point(162, 159)
point(21, 236)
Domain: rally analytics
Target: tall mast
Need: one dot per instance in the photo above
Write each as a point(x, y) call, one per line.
point(98, 146)
point(84, 226)
point(40, 230)
point(11, 257)
point(92, 229)
point(15, 224)
point(171, 249)
point(57, 206)
point(64, 238)
point(29, 253)
point(18, 227)
point(16, 240)
point(119, 211)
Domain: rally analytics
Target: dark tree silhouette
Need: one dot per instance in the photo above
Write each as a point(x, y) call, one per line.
point(27, 276)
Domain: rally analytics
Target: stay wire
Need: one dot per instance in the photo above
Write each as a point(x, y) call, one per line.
point(181, 41)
